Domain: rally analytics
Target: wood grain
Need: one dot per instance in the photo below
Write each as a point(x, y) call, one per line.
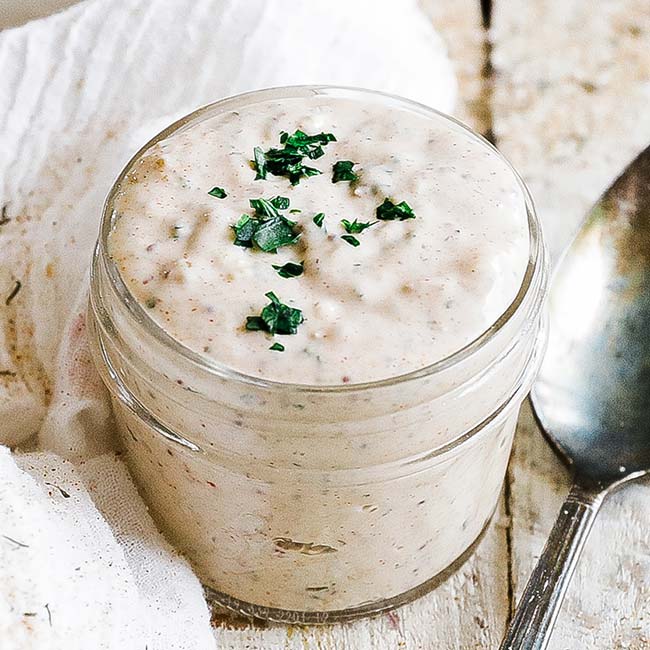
point(571, 91)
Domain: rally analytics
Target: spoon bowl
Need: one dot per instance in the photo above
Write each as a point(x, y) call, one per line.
point(592, 395)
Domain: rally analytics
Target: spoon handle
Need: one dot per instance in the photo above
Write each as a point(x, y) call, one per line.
point(531, 626)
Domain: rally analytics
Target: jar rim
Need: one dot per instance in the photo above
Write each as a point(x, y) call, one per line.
point(534, 279)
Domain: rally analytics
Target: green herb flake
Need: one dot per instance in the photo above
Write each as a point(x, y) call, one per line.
point(319, 219)
point(278, 347)
point(290, 269)
point(269, 207)
point(389, 211)
point(244, 230)
point(255, 324)
point(275, 233)
point(350, 239)
point(309, 145)
point(267, 228)
point(276, 318)
point(342, 171)
point(288, 160)
point(355, 227)
point(259, 163)
point(151, 303)
point(281, 202)
point(219, 192)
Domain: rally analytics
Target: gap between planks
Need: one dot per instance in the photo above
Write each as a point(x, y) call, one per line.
point(485, 99)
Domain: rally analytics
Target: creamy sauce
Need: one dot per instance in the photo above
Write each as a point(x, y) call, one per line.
point(321, 500)
point(411, 293)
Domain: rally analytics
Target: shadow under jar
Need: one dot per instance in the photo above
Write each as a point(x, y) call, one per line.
point(309, 503)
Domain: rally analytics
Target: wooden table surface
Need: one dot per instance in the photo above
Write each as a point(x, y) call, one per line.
point(564, 88)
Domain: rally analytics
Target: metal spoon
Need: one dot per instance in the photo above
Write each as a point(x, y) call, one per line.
point(592, 397)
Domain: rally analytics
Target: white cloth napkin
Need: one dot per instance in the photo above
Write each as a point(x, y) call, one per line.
point(81, 563)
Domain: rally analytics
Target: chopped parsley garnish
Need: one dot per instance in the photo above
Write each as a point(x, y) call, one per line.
point(290, 269)
point(350, 239)
point(278, 347)
point(355, 227)
point(267, 228)
point(288, 160)
point(309, 145)
point(389, 211)
point(276, 318)
point(269, 207)
point(342, 171)
point(259, 163)
point(244, 230)
point(219, 192)
point(319, 219)
point(255, 324)
point(275, 233)
point(151, 303)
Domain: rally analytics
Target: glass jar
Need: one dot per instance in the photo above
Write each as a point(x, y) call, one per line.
point(303, 503)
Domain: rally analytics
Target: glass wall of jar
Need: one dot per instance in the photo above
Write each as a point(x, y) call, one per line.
point(315, 503)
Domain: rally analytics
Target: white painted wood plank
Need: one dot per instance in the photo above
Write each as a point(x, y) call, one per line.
point(459, 23)
point(571, 93)
point(570, 104)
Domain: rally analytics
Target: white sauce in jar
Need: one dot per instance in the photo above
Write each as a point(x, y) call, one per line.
point(320, 503)
point(412, 292)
